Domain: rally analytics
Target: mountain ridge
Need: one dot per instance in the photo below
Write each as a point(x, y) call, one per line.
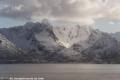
point(42, 42)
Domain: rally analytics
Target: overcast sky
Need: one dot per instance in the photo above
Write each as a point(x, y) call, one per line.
point(105, 14)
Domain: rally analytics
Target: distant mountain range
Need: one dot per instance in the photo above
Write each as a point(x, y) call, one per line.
point(44, 43)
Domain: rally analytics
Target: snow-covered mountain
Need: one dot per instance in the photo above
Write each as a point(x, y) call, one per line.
point(5, 44)
point(8, 51)
point(26, 36)
point(42, 42)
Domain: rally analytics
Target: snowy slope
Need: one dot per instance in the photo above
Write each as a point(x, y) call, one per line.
point(69, 35)
point(5, 44)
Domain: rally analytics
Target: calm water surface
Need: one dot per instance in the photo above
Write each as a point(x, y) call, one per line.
point(63, 71)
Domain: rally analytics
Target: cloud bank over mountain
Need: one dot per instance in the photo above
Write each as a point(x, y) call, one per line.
point(83, 11)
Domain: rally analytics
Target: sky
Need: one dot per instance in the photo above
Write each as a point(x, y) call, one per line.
point(104, 14)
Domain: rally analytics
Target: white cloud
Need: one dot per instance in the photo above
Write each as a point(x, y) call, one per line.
point(111, 22)
point(83, 11)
